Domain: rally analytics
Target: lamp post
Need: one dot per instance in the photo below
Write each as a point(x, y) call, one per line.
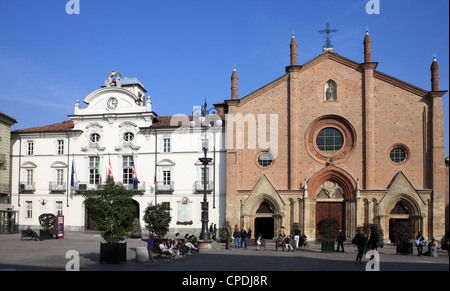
point(205, 123)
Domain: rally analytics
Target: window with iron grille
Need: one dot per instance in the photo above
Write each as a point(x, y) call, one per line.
point(330, 140)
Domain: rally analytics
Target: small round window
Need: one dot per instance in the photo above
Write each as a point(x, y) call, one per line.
point(398, 155)
point(265, 159)
point(330, 140)
point(128, 136)
point(95, 137)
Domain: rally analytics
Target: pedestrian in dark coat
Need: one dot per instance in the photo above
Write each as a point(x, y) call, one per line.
point(361, 242)
point(340, 240)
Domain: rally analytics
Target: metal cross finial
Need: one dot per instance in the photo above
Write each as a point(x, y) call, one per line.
point(328, 32)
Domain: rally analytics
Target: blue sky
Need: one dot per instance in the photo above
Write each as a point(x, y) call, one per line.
point(184, 51)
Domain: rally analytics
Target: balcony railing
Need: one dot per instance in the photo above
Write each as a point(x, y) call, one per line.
point(57, 187)
point(162, 186)
point(82, 187)
point(27, 187)
point(200, 186)
point(136, 187)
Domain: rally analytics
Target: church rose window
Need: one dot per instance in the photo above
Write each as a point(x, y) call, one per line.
point(330, 140)
point(265, 159)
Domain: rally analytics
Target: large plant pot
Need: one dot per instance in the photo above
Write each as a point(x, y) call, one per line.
point(405, 248)
point(113, 253)
point(45, 234)
point(328, 247)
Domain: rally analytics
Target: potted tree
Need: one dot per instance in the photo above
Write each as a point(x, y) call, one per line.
point(403, 233)
point(157, 219)
point(328, 230)
point(47, 221)
point(113, 211)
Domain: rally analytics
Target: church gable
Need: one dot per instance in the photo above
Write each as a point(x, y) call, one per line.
point(267, 91)
point(263, 191)
point(401, 187)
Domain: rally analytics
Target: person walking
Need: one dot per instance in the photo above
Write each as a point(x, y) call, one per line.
point(211, 230)
point(340, 240)
point(373, 240)
point(360, 242)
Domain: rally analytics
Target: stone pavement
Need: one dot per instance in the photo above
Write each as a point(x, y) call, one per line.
point(50, 255)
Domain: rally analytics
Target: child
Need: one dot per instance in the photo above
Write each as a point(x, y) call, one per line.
point(258, 242)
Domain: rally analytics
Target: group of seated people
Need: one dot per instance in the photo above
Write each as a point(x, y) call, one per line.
point(179, 247)
point(289, 241)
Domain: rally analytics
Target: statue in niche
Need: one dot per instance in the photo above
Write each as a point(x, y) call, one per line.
point(330, 91)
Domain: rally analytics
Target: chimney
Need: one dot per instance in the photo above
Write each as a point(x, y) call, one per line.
point(234, 84)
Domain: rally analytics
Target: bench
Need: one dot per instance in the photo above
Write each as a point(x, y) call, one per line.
point(24, 234)
point(252, 242)
point(161, 253)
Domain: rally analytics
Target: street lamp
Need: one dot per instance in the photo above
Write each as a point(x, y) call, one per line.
point(205, 121)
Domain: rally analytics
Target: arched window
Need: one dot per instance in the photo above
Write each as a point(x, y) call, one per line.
point(330, 91)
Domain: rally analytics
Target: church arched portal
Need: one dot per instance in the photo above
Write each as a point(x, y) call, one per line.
point(266, 220)
point(330, 203)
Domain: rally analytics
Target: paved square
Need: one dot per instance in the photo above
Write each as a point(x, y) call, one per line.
point(26, 255)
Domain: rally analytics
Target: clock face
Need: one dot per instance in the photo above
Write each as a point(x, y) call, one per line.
point(112, 103)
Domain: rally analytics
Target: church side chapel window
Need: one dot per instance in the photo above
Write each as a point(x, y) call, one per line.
point(265, 159)
point(330, 91)
point(398, 155)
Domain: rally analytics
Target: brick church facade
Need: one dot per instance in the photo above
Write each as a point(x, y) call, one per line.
point(348, 142)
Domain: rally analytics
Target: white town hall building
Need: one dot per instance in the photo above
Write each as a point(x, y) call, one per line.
point(118, 130)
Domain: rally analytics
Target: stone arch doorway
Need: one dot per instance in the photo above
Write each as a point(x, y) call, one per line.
point(330, 203)
point(264, 221)
point(402, 210)
point(333, 189)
